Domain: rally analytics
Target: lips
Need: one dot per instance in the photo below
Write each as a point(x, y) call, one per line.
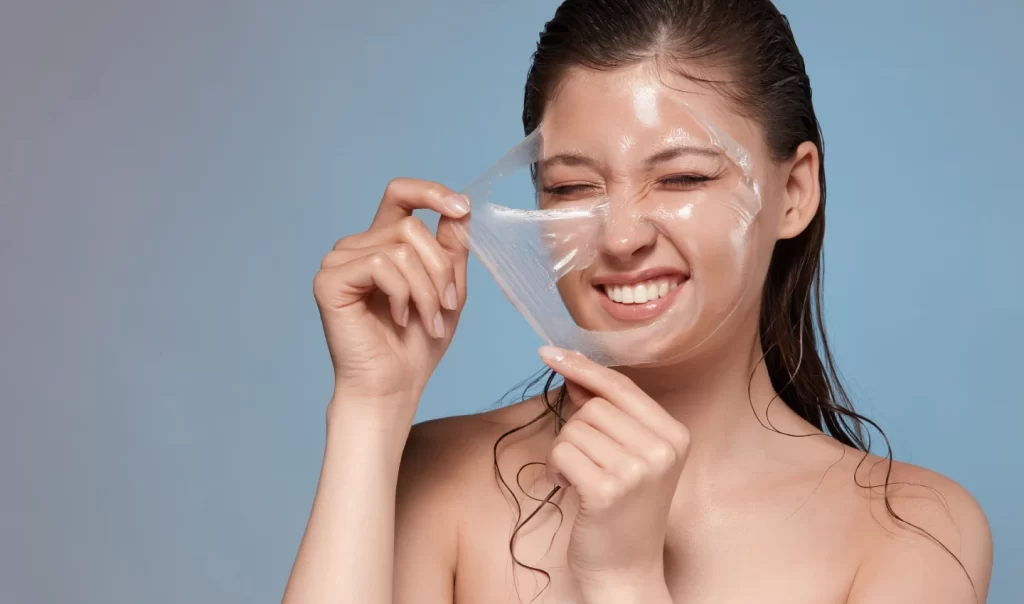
point(639, 296)
point(641, 293)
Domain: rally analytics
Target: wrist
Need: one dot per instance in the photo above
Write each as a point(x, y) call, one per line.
point(378, 423)
point(386, 411)
point(354, 434)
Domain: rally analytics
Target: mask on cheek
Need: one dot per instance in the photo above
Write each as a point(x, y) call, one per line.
point(557, 205)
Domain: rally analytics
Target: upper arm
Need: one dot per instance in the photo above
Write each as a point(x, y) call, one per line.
point(426, 530)
point(909, 566)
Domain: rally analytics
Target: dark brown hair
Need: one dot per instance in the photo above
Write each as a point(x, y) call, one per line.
point(749, 48)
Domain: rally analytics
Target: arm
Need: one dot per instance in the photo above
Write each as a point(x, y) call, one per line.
point(426, 527)
point(381, 530)
point(347, 553)
point(382, 360)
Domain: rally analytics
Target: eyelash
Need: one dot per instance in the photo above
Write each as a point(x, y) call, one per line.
point(682, 180)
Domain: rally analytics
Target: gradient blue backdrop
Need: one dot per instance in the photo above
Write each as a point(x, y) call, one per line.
point(171, 173)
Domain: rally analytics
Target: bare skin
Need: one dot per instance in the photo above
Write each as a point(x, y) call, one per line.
point(758, 505)
point(778, 519)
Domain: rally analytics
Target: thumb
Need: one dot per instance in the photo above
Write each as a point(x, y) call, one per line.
point(453, 236)
point(453, 233)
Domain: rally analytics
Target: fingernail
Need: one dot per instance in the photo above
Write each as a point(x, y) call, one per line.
point(560, 480)
point(403, 320)
point(552, 354)
point(457, 204)
point(451, 297)
point(438, 325)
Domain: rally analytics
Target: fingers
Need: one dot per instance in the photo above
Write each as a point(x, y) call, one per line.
point(419, 283)
point(601, 449)
point(339, 286)
point(618, 390)
point(403, 195)
point(451, 238)
point(422, 290)
point(440, 265)
point(577, 394)
point(566, 460)
point(613, 422)
point(395, 232)
point(617, 444)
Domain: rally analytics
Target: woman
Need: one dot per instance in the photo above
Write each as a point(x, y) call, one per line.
point(707, 480)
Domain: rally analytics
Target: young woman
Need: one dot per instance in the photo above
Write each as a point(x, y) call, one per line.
point(737, 475)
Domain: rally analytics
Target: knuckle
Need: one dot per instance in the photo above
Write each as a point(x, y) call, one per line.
point(435, 190)
point(321, 282)
point(447, 267)
point(426, 299)
point(560, 452)
point(411, 226)
point(326, 260)
point(596, 407)
point(378, 261)
point(394, 184)
point(660, 455)
point(680, 438)
point(606, 493)
point(403, 253)
point(571, 430)
point(634, 471)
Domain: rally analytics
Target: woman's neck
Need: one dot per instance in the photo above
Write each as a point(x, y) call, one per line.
point(723, 400)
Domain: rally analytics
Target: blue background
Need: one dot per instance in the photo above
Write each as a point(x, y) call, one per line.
point(171, 174)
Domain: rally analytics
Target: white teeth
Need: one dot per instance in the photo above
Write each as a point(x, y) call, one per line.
point(640, 293)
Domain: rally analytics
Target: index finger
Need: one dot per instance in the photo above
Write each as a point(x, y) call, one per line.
point(609, 385)
point(403, 195)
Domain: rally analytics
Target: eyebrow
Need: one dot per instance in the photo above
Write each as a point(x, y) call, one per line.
point(579, 159)
point(570, 159)
point(680, 150)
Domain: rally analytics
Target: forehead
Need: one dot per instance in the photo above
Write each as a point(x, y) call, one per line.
point(620, 110)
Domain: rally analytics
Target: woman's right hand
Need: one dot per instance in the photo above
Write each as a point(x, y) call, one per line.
point(390, 298)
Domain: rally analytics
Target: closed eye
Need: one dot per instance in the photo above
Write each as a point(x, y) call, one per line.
point(686, 180)
point(565, 190)
point(680, 181)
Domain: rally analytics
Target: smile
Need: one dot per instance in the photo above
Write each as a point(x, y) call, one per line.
point(639, 297)
point(641, 293)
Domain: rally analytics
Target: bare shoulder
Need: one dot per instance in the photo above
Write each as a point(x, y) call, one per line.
point(930, 538)
point(446, 479)
point(455, 452)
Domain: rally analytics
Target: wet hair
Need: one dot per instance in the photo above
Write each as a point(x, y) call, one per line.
point(745, 50)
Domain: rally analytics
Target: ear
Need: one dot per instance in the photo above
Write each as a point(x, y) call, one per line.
point(802, 192)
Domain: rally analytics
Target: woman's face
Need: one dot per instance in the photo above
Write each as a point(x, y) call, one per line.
point(687, 232)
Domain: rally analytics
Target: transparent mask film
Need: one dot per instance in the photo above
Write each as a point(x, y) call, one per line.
point(632, 249)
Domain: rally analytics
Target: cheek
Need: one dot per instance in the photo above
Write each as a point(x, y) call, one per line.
point(773, 209)
point(729, 245)
point(715, 240)
point(572, 291)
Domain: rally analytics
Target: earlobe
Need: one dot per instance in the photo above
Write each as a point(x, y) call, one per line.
point(802, 193)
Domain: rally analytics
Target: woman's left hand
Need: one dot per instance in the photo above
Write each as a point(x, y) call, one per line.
point(623, 453)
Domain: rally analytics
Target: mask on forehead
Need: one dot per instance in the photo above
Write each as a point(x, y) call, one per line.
point(603, 214)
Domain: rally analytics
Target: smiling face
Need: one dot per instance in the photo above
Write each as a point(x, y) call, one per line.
point(688, 221)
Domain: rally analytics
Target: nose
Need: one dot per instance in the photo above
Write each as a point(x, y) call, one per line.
point(626, 232)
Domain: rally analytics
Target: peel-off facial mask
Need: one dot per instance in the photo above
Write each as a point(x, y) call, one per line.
point(631, 249)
